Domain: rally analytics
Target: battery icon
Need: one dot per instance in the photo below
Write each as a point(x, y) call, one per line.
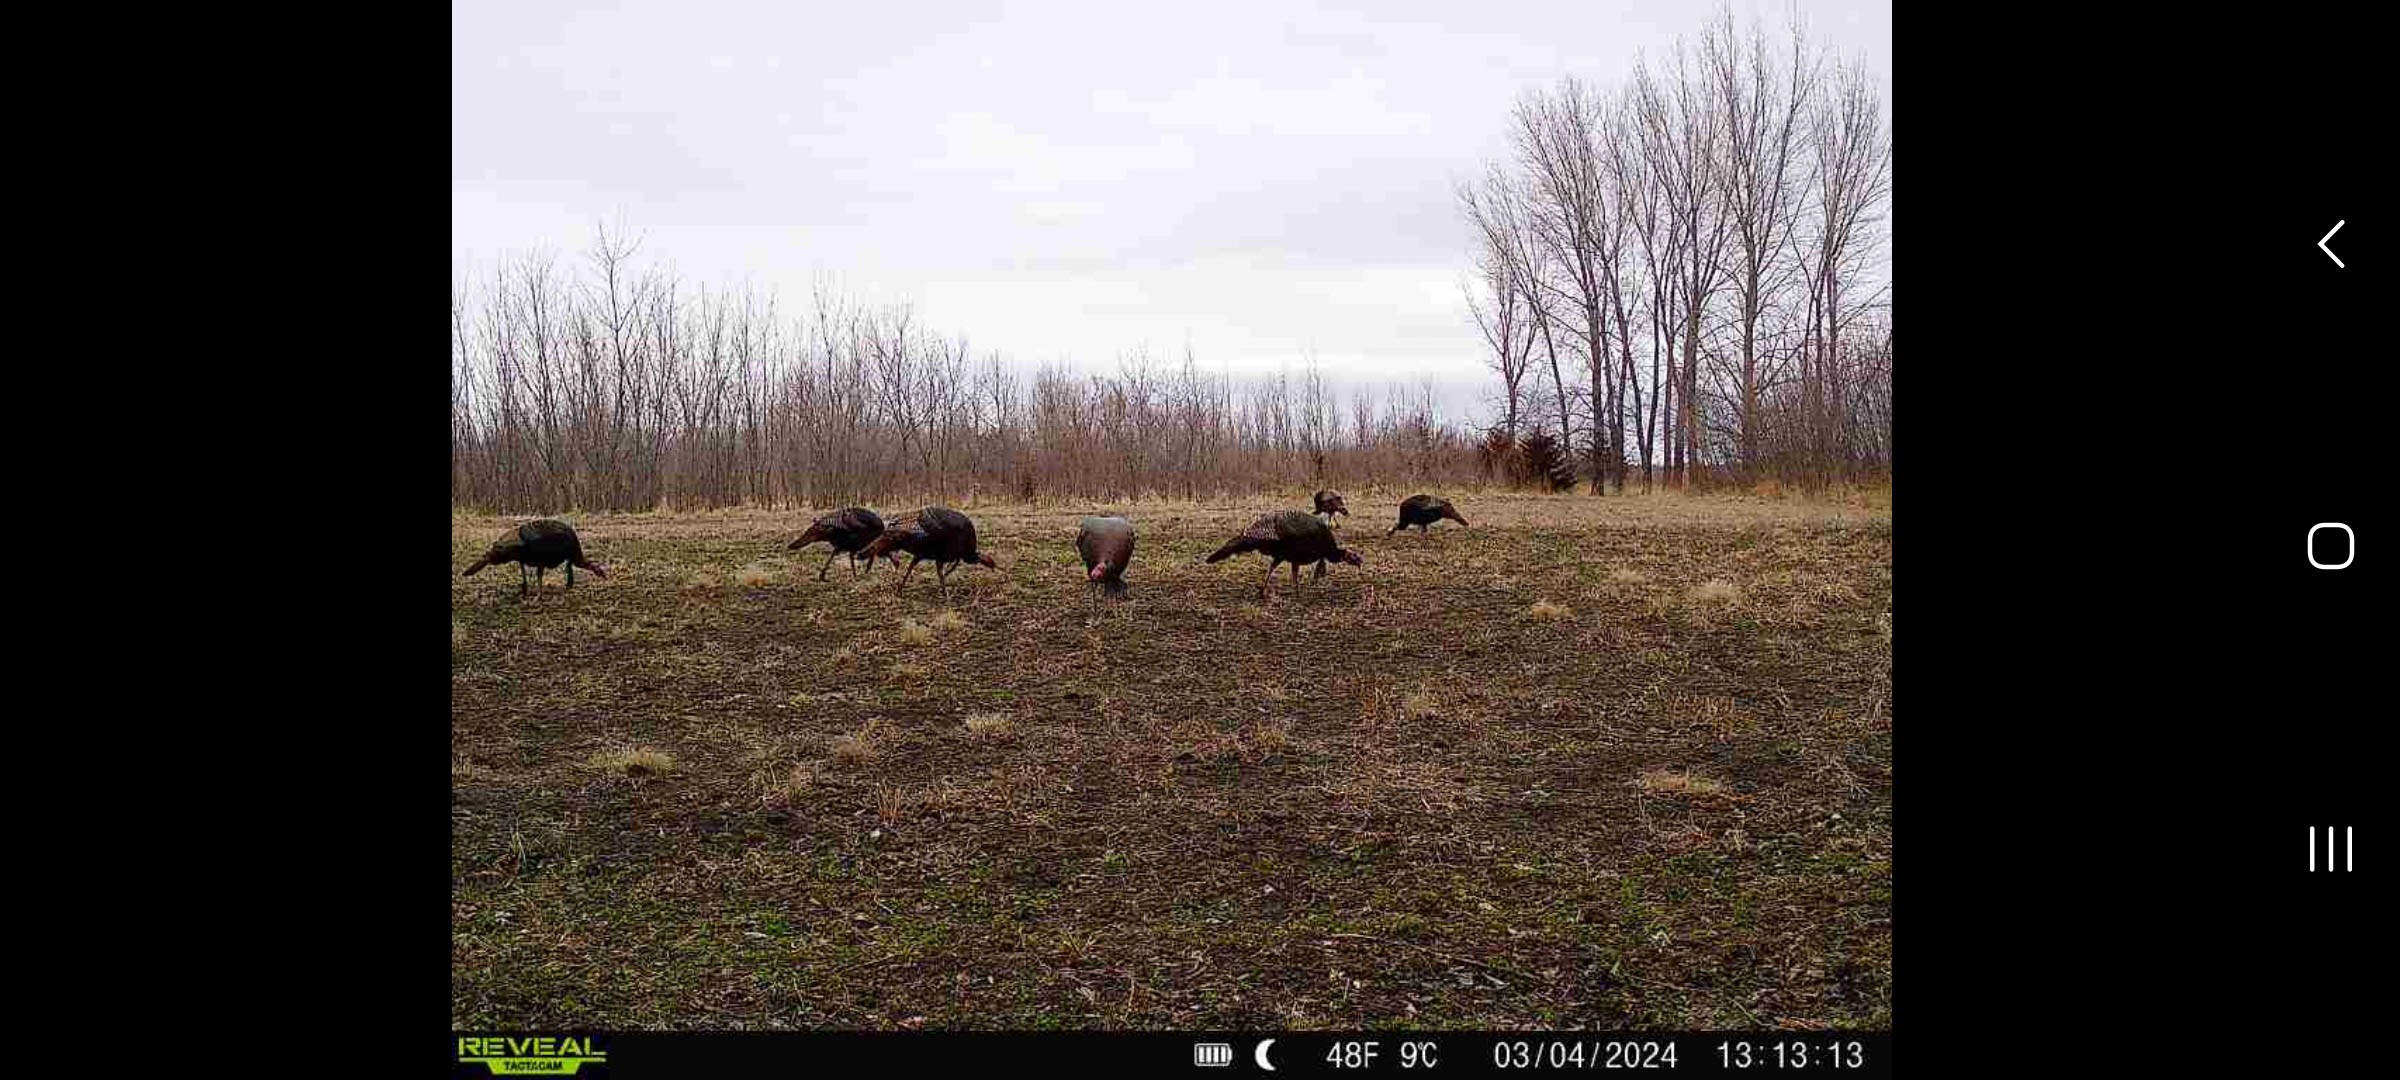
point(1212, 1055)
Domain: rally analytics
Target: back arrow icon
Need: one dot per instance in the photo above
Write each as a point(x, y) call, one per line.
point(2337, 260)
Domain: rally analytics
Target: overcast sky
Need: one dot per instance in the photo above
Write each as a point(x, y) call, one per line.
point(1051, 180)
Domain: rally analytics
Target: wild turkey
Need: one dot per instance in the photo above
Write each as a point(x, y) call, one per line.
point(940, 534)
point(1423, 510)
point(849, 532)
point(1288, 536)
point(1106, 544)
point(1329, 503)
point(541, 545)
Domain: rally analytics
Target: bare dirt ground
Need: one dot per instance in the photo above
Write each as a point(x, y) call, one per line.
point(1615, 763)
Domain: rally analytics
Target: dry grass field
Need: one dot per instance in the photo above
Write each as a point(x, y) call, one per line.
point(1615, 763)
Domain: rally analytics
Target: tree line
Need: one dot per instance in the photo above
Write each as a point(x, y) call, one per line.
point(1688, 275)
point(601, 385)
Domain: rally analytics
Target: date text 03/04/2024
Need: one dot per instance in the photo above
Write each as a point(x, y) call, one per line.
point(1581, 1054)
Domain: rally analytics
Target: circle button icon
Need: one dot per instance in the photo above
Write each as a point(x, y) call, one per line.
point(2347, 545)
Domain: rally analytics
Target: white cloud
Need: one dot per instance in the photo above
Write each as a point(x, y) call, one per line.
point(1309, 104)
point(1012, 159)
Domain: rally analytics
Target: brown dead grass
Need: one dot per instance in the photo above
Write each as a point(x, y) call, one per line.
point(891, 804)
point(634, 761)
point(1545, 611)
point(798, 783)
point(1718, 592)
point(751, 577)
point(1837, 593)
point(859, 747)
point(1667, 782)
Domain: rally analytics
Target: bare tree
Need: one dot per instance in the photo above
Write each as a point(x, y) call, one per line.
point(462, 399)
point(1760, 100)
point(1316, 416)
point(1680, 131)
point(615, 299)
point(1852, 178)
point(1638, 213)
point(1501, 313)
point(1554, 137)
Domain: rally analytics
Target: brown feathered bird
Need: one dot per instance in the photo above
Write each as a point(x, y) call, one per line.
point(1289, 536)
point(1106, 544)
point(1329, 503)
point(848, 531)
point(1422, 511)
point(940, 535)
point(540, 545)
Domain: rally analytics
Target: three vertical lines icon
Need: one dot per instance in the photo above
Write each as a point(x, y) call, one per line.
point(2330, 853)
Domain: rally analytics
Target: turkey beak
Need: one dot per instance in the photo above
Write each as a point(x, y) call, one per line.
point(1098, 572)
point(597, 571)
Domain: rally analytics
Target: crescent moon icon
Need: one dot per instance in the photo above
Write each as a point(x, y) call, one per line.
point(1261, 1055)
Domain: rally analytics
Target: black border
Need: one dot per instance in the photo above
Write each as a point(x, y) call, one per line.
point(2107, 193)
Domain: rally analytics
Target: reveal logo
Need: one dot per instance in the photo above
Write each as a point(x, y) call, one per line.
point(529, 1057)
